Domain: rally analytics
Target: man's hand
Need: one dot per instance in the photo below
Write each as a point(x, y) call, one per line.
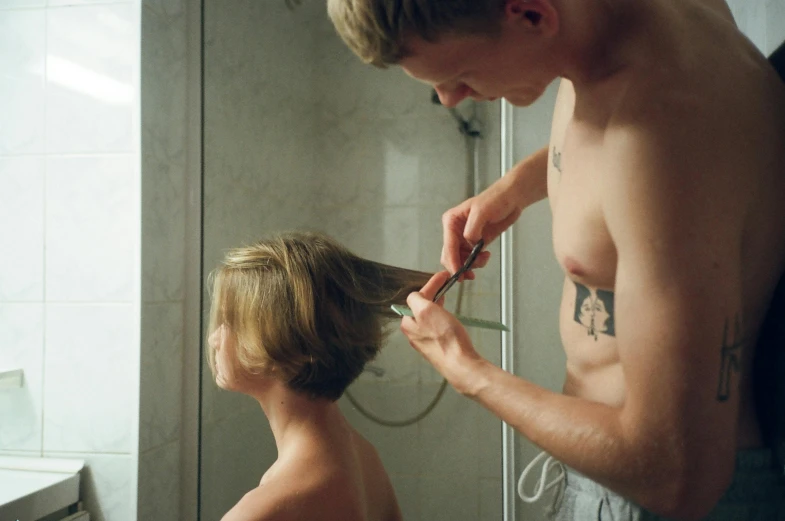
point(487, 215)
point(440, 338)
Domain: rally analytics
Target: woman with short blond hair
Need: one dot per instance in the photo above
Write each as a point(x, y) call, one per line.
point(294, 320)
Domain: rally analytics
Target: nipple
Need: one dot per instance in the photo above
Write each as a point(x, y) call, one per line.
point(573, 267)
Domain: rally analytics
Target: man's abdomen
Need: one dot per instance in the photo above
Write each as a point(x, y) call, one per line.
point(594, 370)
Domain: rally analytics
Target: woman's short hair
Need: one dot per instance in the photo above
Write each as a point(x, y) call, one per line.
point(306, 310)
point(377, 30)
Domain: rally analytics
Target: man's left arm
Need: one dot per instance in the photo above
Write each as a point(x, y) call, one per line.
point(675, 210)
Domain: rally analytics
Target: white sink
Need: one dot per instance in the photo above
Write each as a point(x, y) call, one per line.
point(31, 488)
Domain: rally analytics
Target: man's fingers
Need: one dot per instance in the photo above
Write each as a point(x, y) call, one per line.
point(482, 260)
point(431, 287)
point(451, 246)
point(473, 228)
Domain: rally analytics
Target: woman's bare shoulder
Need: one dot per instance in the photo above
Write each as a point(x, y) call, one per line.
point(264, 503)
point(309, 497)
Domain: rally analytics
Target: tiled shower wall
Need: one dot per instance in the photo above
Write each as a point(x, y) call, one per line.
point(166, 137)
point(260, 157)
point(300, 134)
point(69, 230)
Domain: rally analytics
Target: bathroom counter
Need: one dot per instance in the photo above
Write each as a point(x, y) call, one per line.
point(31, 488)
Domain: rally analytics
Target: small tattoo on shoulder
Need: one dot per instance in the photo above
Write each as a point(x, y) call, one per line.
point(730, 352)
point(556, 159)
point(594, 311)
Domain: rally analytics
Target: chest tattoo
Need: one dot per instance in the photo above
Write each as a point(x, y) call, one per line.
point(732, 343)
point(556, 159)
point(594, 311)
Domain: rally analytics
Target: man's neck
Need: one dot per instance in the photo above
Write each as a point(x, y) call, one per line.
point(597, 41)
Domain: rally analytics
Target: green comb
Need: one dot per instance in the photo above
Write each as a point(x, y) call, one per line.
point(466, 321)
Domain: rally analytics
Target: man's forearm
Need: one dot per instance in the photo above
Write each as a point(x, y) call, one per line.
point(588, 436)
point(531, 176)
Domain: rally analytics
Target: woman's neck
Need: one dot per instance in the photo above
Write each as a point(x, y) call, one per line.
point(298, 420)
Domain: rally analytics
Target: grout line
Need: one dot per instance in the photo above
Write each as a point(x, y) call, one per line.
point(46, 6)
point(71, 302)
point(68, 154)
point(41, 454)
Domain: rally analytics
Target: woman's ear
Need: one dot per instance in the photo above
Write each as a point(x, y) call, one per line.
point(537, 15)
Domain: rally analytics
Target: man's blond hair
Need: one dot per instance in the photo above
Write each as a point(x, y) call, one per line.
point(377, 30)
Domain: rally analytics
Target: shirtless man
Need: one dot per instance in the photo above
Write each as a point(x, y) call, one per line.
point(665, 175)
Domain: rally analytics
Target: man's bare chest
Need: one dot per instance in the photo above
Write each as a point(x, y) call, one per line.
point(576, 181)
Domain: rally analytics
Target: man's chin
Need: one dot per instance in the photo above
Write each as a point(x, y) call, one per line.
point(520, 101)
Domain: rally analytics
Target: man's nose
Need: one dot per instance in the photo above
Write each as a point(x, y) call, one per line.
point(451, 97)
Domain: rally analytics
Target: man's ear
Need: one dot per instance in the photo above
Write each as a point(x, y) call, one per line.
point(538, 15)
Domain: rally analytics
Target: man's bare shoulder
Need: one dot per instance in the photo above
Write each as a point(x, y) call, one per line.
point(690, 122)
point(704, 95)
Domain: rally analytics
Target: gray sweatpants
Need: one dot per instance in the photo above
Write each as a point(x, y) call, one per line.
point(757, 493)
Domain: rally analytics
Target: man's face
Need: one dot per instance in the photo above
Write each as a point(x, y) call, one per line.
point(483, 68)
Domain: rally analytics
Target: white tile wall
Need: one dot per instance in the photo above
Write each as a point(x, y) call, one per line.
point(22, 58)
point(22, 228)
point(24, 4)
point(89, 375)
point(64, 3)
point(22, 337)
point(90, 95)
point(69, 272)
point(90, 242)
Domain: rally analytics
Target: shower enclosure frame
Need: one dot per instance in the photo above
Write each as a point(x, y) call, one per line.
point(190, 449)
point(507, 316)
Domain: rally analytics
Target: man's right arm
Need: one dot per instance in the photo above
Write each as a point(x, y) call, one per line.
point(491, 212)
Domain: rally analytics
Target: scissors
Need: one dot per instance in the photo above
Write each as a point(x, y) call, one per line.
point(466, 267)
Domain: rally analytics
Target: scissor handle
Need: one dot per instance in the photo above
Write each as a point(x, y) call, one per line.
point(466, 266)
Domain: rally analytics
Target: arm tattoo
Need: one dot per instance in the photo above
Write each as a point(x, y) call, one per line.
point(594, 311)
point(731, 357)
point(557, 159)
